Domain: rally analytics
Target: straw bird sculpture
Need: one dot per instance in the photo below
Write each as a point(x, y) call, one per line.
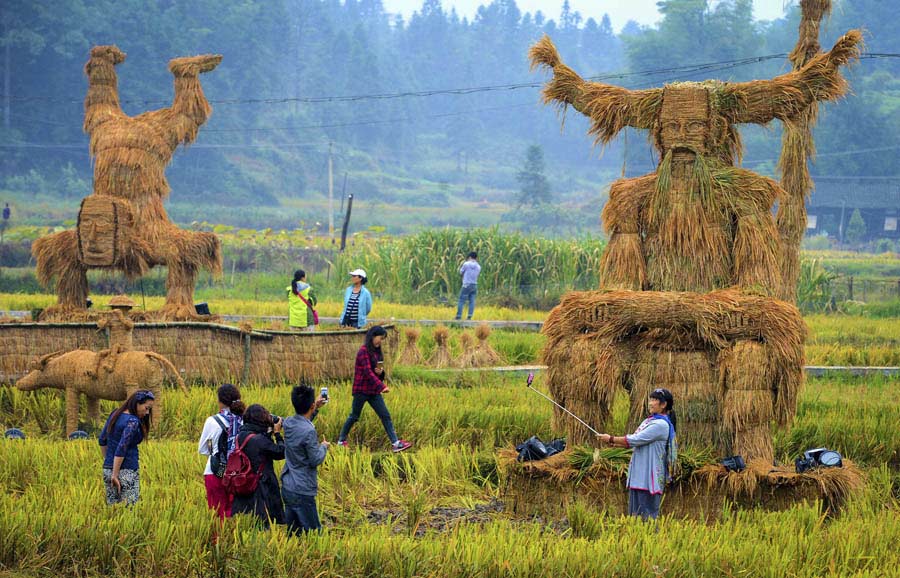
point(123, 224)
point(78, 372)
point(695, 279)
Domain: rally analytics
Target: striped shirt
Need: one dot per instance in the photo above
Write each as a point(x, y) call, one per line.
point(351, 317)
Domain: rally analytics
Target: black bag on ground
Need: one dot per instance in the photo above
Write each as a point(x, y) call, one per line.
point(534, 449)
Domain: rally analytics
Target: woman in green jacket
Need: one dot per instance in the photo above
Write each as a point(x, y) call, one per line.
point(301, 302)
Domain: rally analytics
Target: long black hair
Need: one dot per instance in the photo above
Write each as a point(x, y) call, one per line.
point(299, 274)
point(230, 396)
point(665, 396)
point(371, 334)
point(131, 404)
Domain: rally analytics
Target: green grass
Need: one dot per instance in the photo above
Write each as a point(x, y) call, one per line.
point(423, 513)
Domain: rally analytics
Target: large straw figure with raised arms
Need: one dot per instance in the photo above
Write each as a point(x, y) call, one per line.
point(692, 292)
point(123, 224)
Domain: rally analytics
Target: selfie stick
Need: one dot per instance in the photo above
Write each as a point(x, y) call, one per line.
point(581, 421)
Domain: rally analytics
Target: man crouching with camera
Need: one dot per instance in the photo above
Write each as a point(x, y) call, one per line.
point(303, 454)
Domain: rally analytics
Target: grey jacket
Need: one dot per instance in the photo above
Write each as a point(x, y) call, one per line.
point(303, 454)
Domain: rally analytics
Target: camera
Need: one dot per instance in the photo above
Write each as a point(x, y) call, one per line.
point(275, 419)
point(818, 458)
point(734, 464)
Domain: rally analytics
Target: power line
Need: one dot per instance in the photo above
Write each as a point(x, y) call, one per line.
point(460, 90)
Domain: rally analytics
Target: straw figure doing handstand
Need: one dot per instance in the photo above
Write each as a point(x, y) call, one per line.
point(698, 277)
point(123, 225)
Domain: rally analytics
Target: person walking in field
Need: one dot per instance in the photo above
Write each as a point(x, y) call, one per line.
point(125, 429)
point(303, 454)
point(369, 387)
point(357, 301)
point(216, 442)
point(301, 303)
point(655, 453)
point(469, 271)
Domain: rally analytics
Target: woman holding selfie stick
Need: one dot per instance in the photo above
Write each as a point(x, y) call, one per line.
point(653, 460)
point(368, 387)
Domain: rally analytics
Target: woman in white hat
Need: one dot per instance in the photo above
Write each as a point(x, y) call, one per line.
point(357, 301)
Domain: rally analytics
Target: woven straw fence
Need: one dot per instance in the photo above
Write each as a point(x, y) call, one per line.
point(202, 352)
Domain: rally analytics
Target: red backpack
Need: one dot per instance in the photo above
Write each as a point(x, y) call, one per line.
point(239, 478)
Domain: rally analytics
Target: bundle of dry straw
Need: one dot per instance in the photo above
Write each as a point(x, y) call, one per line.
point(441, 356)
point(410, 354)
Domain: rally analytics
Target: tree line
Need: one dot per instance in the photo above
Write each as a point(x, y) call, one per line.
point(300, 74)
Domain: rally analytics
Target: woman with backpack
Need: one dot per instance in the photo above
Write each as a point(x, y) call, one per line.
point(368, 387)
point(302, 314)
point(256, 442)
point(126, 427)
point(217, 441)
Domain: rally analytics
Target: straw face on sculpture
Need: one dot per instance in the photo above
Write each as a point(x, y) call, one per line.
point(123, 224)
point(695, 260)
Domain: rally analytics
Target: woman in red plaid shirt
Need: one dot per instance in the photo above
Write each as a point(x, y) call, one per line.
point(368, 387)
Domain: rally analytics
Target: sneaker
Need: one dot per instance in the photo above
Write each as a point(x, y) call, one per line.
point(343, 444)
point(400, 446)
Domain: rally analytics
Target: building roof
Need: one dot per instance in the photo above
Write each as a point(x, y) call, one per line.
point(855, 193)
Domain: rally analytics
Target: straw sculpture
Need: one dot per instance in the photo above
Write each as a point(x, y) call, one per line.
point(80, 372)
point(485, 355)
point(693, 268)
point(411, 355)
point(797, 149)
point(441, 356)
point(123, 225)
point(548, 487)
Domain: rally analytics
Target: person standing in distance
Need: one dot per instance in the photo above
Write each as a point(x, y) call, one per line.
point(301, 302)
point(469, 271)
point(357, 301)
point(655, 453)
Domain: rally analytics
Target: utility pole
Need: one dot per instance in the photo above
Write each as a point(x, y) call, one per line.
point(330, 193)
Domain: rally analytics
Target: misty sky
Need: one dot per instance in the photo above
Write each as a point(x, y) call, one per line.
point(620, 11)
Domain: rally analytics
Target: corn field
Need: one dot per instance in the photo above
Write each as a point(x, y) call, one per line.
point(436, 510)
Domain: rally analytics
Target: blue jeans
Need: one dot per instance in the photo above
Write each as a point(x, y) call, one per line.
point(467, 293)
point(381, 410)
point(300, 513)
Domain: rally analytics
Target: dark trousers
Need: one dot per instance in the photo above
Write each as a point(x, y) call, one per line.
point(644, 504)
point(381, 410)
point(467, 293)
point(301, 514)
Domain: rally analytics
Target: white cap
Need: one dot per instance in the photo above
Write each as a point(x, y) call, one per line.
point(359, 272)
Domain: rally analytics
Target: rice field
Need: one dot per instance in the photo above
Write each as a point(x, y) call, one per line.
point(437, 510)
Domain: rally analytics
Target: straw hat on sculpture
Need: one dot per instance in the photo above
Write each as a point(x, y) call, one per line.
point(698, 278)
point(123, 225)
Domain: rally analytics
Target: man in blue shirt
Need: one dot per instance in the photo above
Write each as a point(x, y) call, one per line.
point(302, 456)
point(469, 271)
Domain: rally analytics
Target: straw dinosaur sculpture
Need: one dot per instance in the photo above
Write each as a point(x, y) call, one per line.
point(123, 224)
point(80, 372)
point(697, 272)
